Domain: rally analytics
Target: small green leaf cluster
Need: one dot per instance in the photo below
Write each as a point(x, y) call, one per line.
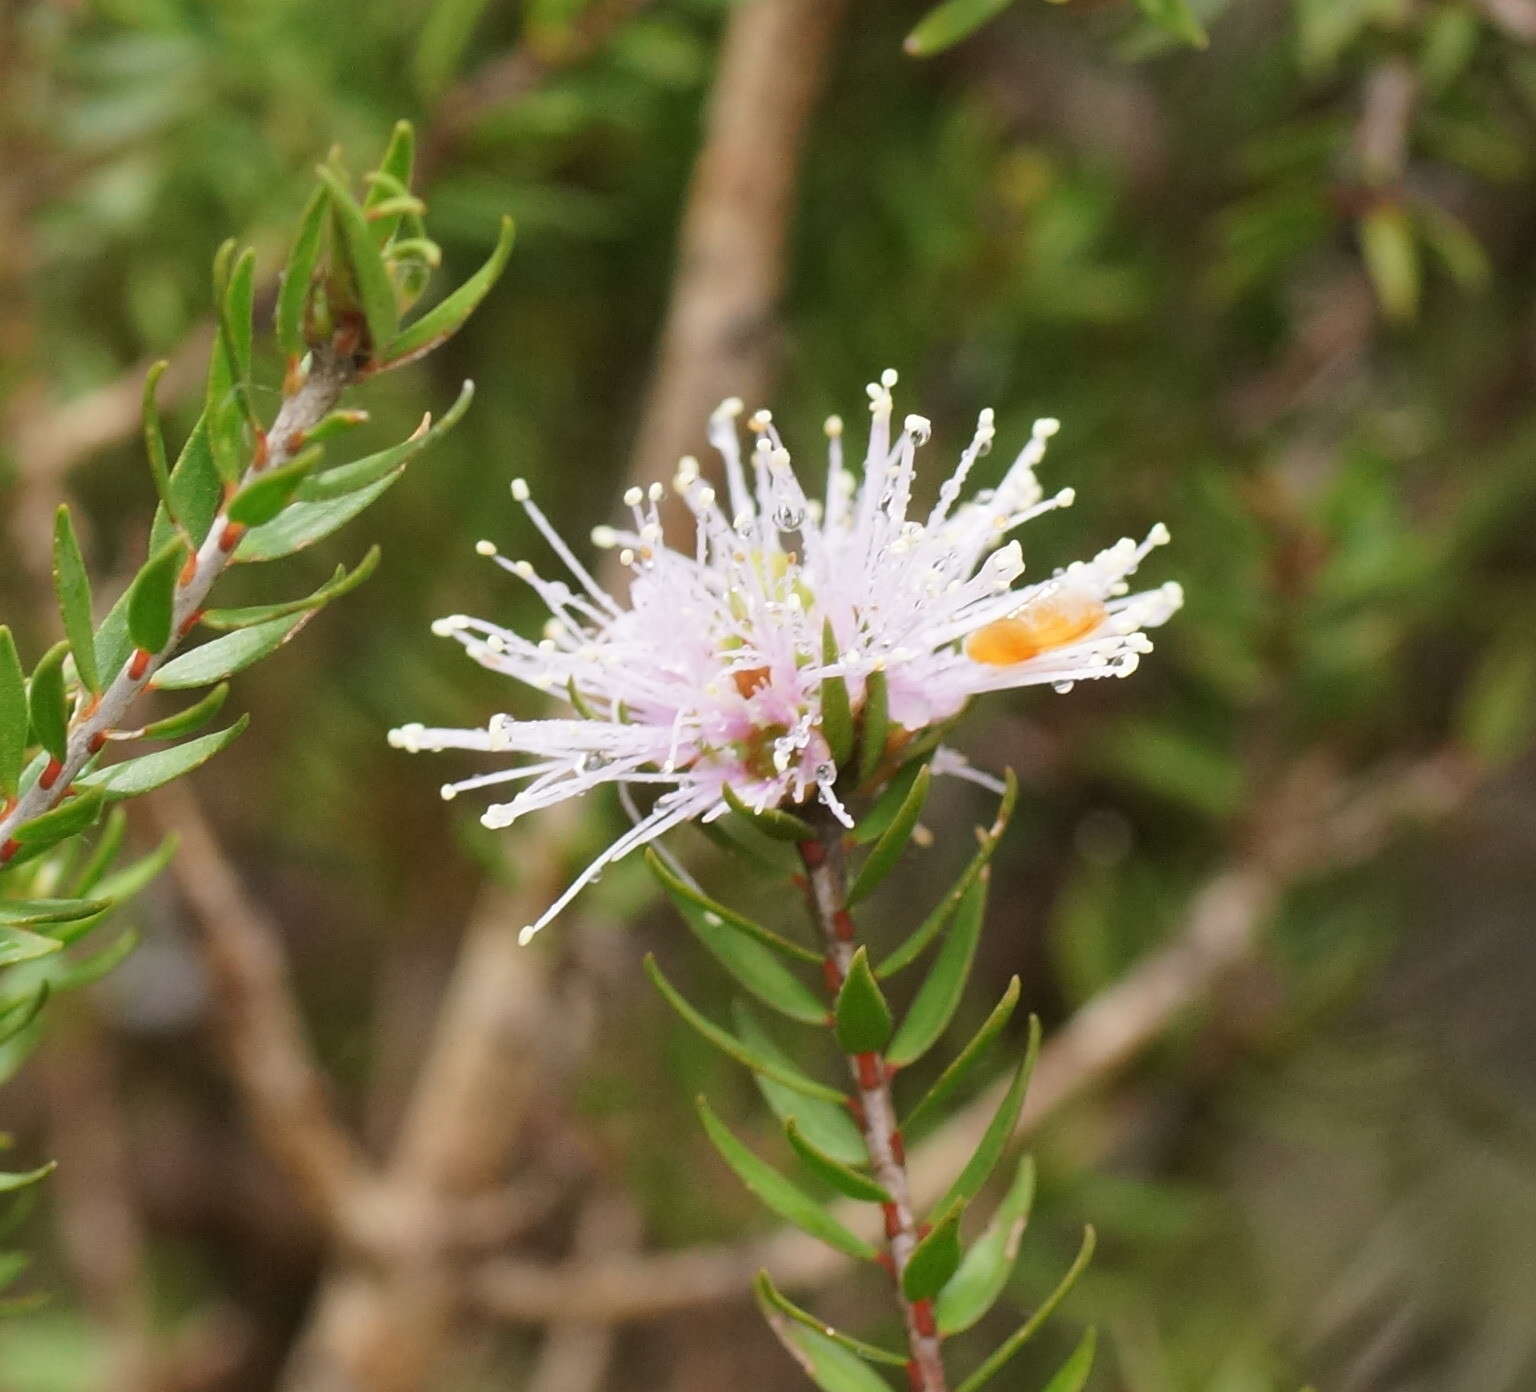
point(953, 1282)
point(241, 490)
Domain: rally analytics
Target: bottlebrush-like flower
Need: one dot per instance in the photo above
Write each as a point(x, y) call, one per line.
point(712, 675)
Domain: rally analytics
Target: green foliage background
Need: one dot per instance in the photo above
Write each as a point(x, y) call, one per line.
point(1318, 373)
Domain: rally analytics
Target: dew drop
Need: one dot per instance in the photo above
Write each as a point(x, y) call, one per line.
point(1061, 688)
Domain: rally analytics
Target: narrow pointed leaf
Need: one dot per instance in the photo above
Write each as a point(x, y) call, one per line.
point(151, 598)
point(342, 582)
point(887, 850)
point(828, 1125)
point(939, 995)
point(1025, 1332)
point(72, 815)
point(193, 718)
point(15, 718)
point(154, 439)
point(302, 524)
point(1178, 18)
point(753, 965)
point(349, 478)
point(293, 296)
point(863, 1017)
point(14, 1018)
point(396, 165)
point(103, 853)
point(731, 1046)
point(92, 969)
point(740, 839)
point(785, 1198)
point(934, 924)
point(825, 1360)
point(1072, 1374)
point(947, 24)
point(47, 704)
point(135, 776)
point(872, 825)
point(844, 1178)
point(20, 945)
point(73, 587)
point(226, 655)
point(771, 821)
point(984, 1271)
point(934, 1260)
point(681, 891)
point(771, 1299)
point(874, 726)
point(10, 1181)
point(370, 278)
point(444, 320)
point(836, 712)
point(34, 912)
point(238, 310)
point(125, 883)
point(978, 1169)
point(269, 493)
point(965, 1062)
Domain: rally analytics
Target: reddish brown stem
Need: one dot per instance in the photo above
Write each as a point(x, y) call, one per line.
point(827, 895)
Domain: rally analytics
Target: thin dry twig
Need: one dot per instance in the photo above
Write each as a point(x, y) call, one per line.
point(270, 1060)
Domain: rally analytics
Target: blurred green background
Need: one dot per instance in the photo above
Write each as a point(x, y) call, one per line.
point(1281, 293)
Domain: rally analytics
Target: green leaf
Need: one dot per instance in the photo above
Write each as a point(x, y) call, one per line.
point(947, 24)
point(47, 704)
point(893, 841)
point(135, 776)
point(442, 322)
point(11, 1181)
point(1392, 260)
point(862, 1015)
point(828, 1125)
point(291, 313)
point(1072, 1374)
point(874, 725)
point(103, 853)
point(226, 655)
point(836, 712)
point(1031, 1326)
point(965, 1062)
point(826, 1361)
point(395, 167)
point(73, 587)
point(449, 26)
point(939, 995)
point(342, 582)
point(752, 964)
point(349, 478)
point(771, 821)
point(983, 1273)
point(154, 439)
point(934, 1260)
point(364, 262)
point(15, 720)
point(32, 912)
point(18, 945)
point(194, 717)
point(682, 892)
point(844, 1178)
point(784, 1198)
point(91, 969)
point(238, 310)
point(72, 815)
point(873, 824)
point(729, 1045)
point(1177, 18)
point(978, 1169)
point(302, 524)
point(771, 1299)
point(270, 492)
point(14, 1020)
point(125, 883)
point(933, 925)
point(741, 840)
point(151, 598)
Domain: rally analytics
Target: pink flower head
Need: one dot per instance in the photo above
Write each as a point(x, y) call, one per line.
point(711, 676)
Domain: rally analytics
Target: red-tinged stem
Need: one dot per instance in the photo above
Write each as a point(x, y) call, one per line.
point(827, 894)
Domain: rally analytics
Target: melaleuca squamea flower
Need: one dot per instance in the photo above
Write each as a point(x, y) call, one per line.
point(711, 675)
